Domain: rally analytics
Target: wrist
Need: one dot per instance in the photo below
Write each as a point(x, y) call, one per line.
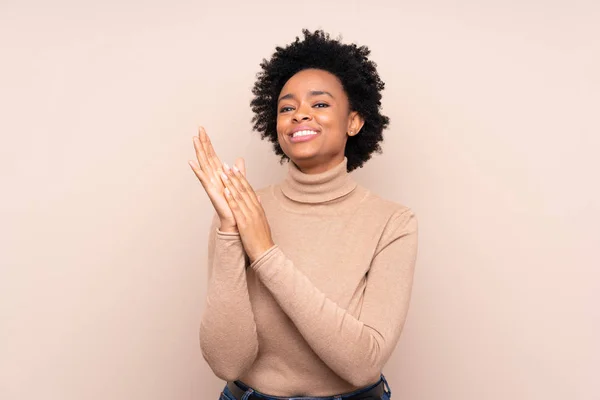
point(227, 228)
point(260, 253)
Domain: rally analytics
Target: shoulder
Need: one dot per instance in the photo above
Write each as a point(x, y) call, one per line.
point(384, 206)
point(394, 215)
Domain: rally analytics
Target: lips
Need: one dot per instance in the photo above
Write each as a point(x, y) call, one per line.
point(305, 132)
point(303, 136)
point(303, 128)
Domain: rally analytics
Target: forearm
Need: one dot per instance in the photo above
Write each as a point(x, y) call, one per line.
point(356, 348)
point(345, 344)
point(228, 337)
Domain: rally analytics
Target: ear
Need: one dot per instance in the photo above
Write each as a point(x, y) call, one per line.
point(355, 123)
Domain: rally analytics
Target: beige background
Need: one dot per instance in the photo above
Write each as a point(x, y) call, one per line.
point(494, 142)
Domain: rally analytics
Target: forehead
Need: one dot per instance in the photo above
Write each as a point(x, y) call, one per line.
point(312, 79)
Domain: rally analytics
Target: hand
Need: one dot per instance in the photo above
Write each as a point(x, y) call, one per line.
point(207, 168)
point(249, 214)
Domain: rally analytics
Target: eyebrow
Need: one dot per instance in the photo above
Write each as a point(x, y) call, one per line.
point(311, 93)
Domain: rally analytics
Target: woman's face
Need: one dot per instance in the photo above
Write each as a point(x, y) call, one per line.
point(314, 103)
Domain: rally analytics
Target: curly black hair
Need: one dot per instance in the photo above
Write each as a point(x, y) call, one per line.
point(349, 63)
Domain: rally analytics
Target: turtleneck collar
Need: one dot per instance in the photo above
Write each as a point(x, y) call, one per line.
point(318, 188)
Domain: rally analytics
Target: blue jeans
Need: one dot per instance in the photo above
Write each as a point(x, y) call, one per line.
point(227, 395)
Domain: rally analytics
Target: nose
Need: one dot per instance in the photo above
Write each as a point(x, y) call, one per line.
point(302, 114)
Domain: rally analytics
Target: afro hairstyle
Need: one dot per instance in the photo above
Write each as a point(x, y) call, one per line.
point(349, 63)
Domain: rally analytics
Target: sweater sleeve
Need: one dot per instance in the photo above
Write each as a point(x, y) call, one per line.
point(228, 337)
point(355, 348)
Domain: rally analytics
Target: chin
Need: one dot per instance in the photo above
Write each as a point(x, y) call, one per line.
point(302, 156)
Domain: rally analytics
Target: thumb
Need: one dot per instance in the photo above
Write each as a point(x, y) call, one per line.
point(241, 165)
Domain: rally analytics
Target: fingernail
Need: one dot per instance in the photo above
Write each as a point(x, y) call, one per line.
point(226, 166)
point(236, 169)
point(224, 176)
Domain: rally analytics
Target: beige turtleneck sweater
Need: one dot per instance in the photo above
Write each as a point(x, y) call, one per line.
point(320, 312)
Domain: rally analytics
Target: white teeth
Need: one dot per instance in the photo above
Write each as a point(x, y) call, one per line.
point(303, 133)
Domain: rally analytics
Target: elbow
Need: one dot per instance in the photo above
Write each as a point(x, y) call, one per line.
point(231, 369)
point(226, 365)
point(361, 377)
point(366, 368)
point(225, 373)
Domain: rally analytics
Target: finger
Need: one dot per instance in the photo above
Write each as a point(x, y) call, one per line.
point(201, 157)
point(211, 155)
point(245, 186)
point(238, 215)
point(241, 165)
point(205, 180)
point(205, 160)
point(237, 192)
point(236, 204)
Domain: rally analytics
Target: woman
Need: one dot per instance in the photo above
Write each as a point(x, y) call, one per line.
point(309, 279)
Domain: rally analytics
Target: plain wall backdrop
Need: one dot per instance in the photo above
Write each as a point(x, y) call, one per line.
point(493, 141)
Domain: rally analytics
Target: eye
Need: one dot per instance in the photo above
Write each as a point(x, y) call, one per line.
point(285, 109)
point(321, 105)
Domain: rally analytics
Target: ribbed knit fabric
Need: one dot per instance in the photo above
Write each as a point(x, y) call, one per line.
point(320, 312)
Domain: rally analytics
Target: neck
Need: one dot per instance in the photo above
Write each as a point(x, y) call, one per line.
point(319, 187)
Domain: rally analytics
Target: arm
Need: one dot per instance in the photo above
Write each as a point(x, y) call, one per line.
point(355, 348)
point(228, 338)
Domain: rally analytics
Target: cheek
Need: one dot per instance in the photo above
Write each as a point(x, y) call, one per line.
point(331, 120)
point(281, 126)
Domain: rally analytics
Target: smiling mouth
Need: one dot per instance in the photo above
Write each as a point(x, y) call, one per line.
point(303, 133)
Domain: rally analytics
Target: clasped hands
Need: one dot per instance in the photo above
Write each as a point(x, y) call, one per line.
point(232, 196)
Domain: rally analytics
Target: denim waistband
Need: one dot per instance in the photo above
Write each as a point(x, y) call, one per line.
point(250, 391)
